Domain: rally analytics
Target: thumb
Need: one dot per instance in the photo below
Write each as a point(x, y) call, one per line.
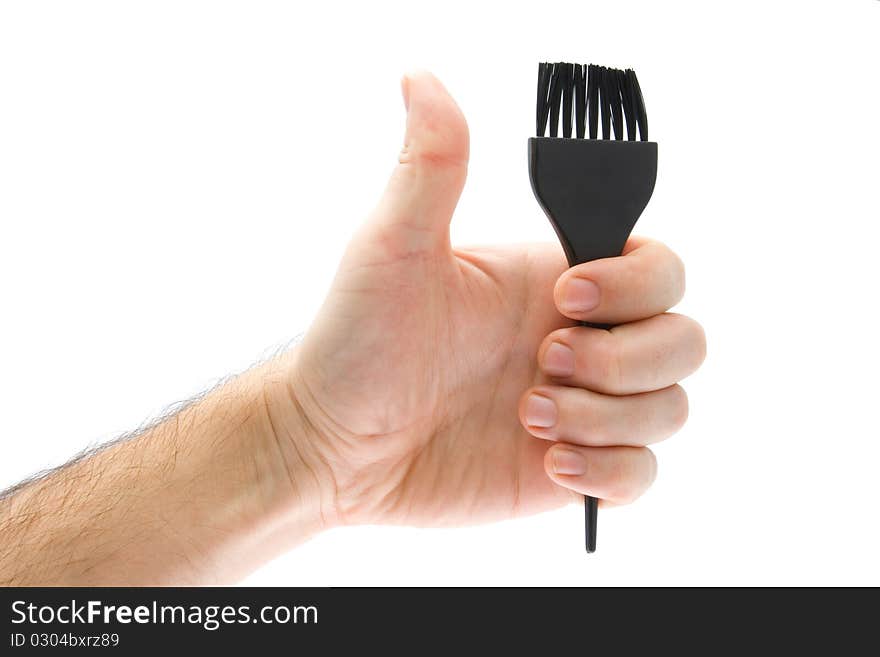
point(424, 189)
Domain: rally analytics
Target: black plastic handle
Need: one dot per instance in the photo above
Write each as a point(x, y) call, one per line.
point(591, 504)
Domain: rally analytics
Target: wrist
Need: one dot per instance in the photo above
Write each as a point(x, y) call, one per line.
point(231, 483)
point(296, 475)
point(238, 492)
point(253, 486)
point(356, 474)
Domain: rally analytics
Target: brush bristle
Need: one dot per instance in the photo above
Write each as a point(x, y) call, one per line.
point(587, 97)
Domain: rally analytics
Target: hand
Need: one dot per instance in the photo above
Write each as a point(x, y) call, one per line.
point(445, 386)
point(436, 387)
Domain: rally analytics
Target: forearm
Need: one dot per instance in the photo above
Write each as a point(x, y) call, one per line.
point(204, 497)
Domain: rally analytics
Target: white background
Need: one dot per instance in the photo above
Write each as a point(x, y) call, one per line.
point(178, 179)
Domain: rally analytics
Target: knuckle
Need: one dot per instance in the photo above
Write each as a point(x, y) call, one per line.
point(695, 337)
point(678, 277)
point(622, 482)
point(632, 475)
point(652, 469)
point(680, 408)
point(699, 339)
point(670, 268)
point(690, 339)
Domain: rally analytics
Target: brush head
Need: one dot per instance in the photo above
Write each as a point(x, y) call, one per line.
point(593, 190)
point(586, 96)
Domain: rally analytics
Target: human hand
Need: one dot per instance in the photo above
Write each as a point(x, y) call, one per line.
point(443, 386)
point(437, 386)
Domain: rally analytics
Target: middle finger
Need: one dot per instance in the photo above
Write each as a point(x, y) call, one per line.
point(642, 356)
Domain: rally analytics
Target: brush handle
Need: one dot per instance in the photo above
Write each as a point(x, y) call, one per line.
point(591, 519)
point(593, 192)
point(591, 504)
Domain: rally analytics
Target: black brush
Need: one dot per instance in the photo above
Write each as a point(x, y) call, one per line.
point(592, 188)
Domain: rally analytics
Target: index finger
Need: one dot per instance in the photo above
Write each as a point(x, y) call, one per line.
point(648, 279)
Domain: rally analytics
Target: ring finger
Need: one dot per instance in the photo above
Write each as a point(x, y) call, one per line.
point(583, 417)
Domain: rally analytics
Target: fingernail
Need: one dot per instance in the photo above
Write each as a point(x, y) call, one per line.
point(559, 360)
point(581, 295)
point(568, 462)
point(540, 411)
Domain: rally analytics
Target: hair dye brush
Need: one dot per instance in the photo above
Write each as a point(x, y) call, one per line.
point(592, 189)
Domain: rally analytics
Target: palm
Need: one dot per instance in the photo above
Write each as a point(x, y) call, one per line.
point(450, 343)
